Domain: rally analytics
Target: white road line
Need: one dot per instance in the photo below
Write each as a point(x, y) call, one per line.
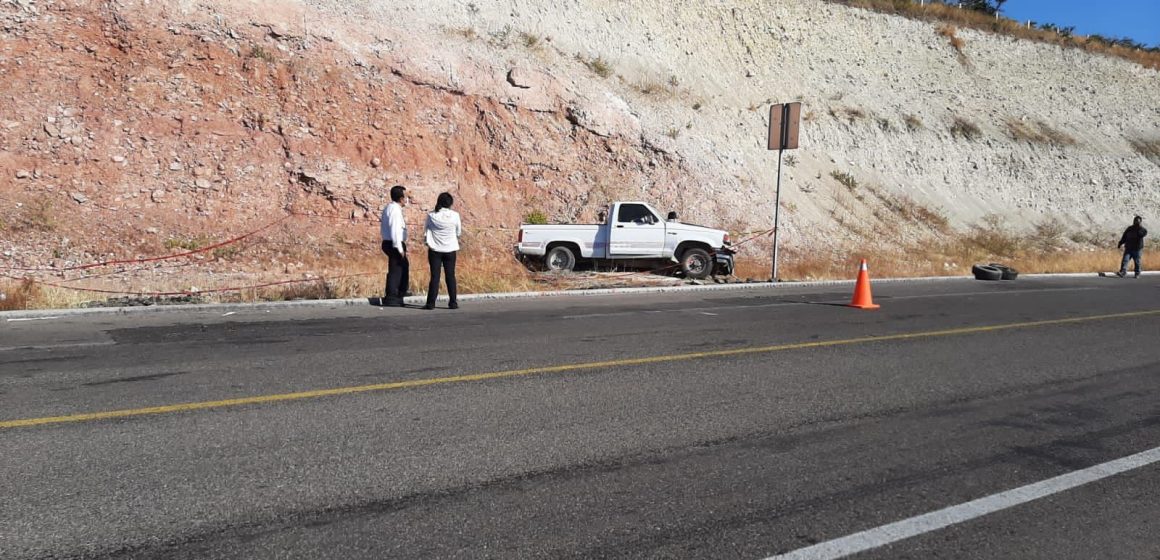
point(57, 346)
point(933, 521)
point(20, 319)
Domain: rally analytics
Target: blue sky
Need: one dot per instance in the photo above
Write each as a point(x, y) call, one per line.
point(1138, 19)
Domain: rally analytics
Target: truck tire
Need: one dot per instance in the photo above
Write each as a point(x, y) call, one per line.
point(560, 259)
point(986, 272)
point(1008, 272)
point(696, 263)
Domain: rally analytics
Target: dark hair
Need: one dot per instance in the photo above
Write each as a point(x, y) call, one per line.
point(1137, 220)
point(444, 201)
point(397, 192)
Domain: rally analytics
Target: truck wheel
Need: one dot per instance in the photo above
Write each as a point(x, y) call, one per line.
point(985, 272)
point(696, 263)
point(560, 259)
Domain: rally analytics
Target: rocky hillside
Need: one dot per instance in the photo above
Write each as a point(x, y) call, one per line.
point(136, 128)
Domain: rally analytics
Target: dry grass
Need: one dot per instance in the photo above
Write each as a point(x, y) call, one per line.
point(908, 210)
point(951, 15)
point(913, 123)
point(1038, 132)
point(486, 264)
point(1147, 148)
point(38, 215)
point(850, 114)
point(952, 258)
point(598, 65)
point(845, 179)
point(963, 128)
point(951, 33)
point(666, 89)
point(531, 41)
point(468, 33)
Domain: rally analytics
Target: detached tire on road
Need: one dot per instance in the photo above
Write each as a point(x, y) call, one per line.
point(1008, 272)
point(986, 272)
point(560, 259)
point(696, 263)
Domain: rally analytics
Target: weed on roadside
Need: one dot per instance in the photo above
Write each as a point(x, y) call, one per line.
point(963, 128)
point(845, 179)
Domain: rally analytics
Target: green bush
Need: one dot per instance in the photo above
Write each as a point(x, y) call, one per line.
point(536, 218)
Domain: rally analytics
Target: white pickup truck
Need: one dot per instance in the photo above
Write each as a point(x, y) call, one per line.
point(632, 234)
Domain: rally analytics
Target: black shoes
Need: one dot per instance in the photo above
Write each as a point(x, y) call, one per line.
point(453, 305)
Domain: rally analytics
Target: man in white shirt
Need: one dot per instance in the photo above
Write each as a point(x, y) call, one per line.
point(393, 228)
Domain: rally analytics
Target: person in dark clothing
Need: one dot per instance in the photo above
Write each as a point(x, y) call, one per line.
point(1133, 243)
point(443, 231)
point(394, 233)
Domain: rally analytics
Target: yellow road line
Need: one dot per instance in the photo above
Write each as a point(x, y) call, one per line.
point(85, 417)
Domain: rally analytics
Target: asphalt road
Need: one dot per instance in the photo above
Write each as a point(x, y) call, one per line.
point(703, 425)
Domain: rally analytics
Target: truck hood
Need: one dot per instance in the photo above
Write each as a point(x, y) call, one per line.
point(694, 227)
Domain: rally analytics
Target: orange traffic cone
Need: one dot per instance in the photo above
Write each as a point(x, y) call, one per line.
point(862, 298)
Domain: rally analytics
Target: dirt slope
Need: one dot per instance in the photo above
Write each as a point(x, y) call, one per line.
point(134, 129)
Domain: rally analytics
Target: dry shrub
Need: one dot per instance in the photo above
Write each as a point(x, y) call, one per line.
point(531, 41)
point(992, 238)
point(598, 65)
point(913, 123)
point(1050, 235)
point(951, 33)
point(1147, 148)
point(910, 210)
point(468, 33)
point(34, 216)
point(854, 113)
point(847, 180)
point(664, 90)
point(18, 295)
point(1039, 133)
point(963, 128)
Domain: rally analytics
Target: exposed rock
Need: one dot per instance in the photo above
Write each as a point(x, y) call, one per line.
point(23, 174)
point(157, 195)
point(518, 77)
point(79, 197)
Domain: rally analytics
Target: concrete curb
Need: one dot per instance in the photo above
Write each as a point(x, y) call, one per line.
point(420, 300)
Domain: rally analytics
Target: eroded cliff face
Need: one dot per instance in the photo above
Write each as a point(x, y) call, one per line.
point(134, 127)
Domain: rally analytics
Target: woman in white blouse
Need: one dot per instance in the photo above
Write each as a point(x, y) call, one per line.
point(443, 231)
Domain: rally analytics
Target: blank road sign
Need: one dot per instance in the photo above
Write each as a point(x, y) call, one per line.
point(783, 126)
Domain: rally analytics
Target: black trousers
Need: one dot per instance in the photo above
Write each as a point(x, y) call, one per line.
point(447, 261)
point(398, 273)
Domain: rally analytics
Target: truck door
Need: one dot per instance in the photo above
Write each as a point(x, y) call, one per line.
point(636, 232)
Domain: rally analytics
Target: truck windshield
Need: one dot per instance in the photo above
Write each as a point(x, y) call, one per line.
point(635, 213)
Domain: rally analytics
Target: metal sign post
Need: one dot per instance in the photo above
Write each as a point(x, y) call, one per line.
point(783, 135)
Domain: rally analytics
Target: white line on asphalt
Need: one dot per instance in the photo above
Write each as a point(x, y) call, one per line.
point(57, 346)
point(933, 521)
point(18, 319)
